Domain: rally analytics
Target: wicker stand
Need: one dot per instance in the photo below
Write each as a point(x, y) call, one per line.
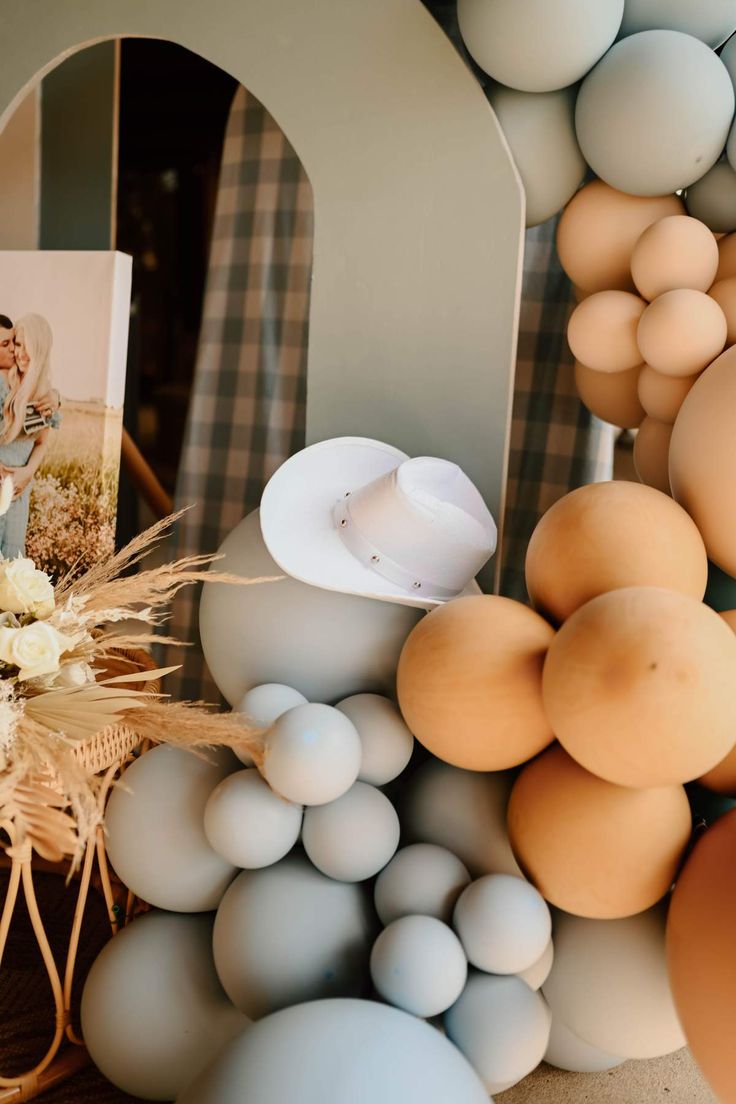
point(105, 755)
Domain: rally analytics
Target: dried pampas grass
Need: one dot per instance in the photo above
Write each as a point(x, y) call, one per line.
point(58, 738)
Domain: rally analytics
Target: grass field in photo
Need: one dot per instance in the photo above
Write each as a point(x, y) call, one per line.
point(74, 495)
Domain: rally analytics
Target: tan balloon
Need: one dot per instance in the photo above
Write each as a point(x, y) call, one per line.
point(469, 682)
point(599, 229)
point(593, 848)
point(662, 396)
point(726, 257)
point(612, 396)
point(609, 535)
point(700, 953)
point(639, 687)
point(681, 332)
point(602, 331)
point(722, 779)
point(703, 459)
point(676, 252)
point(651, 454)
point(724, 293)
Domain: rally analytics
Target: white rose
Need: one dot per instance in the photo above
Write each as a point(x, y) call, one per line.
point(34, 650)
point(74, 674)
point(25, 589)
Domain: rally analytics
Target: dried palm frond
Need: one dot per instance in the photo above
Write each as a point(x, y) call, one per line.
point(36, 811)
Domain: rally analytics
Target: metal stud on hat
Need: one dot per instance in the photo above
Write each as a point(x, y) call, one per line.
point(358, 516)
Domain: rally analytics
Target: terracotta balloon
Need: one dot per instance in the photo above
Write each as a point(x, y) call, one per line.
point(599, 229)
point(469, 682)
point(675, 252)
point(611, 396)
point(703, 459)
point(639, 687)
point(602, 331)
point(652, 453)
point(609, 535)
point(662, 396)
point(701, 958)
point(726, 257)
point(724, 293)
point(593, 848)
point(681, 332)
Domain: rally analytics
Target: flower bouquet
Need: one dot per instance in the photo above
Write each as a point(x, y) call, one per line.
point(79, 696)
point(56, 646)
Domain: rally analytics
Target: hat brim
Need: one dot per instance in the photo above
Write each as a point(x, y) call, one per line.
point(298, 527)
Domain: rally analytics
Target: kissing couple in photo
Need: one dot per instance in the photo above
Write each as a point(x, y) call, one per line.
point(29, 413)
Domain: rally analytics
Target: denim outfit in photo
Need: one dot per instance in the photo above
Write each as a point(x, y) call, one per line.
point(15, 454)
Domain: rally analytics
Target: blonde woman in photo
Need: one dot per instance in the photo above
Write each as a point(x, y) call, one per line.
point(25, 381)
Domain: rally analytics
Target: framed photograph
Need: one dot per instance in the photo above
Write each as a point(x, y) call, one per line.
point(63, 344)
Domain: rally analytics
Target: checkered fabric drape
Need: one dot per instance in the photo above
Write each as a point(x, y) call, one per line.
point(556, 444)
point(247, 409)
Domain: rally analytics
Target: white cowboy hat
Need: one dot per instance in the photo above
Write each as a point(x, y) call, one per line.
point(361, 517)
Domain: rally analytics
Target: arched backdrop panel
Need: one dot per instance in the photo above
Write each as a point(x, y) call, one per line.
point(418, 207)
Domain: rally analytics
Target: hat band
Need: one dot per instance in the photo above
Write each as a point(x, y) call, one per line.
point(363, 549)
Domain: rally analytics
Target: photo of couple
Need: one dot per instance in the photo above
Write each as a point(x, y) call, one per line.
point(29, 414)
point(63, 344)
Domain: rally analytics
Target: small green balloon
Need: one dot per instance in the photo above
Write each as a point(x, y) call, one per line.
point(720, 593)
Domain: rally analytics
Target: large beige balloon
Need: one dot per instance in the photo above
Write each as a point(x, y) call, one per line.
point(662, 396)
point(652, 454)
point(609, 535)
point(681, 332)
point(700, 953)
point(702, 459)
point(469, 682)
point(593, 848)
point(612, 396)
point(602, 331)
point(324, 644)
point(609, 984)
point(599, 229)
point(153, 1011)
point(675, 252)
point(464, 811)
point(639, 687)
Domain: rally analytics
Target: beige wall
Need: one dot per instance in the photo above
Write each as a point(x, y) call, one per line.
point(19, 176)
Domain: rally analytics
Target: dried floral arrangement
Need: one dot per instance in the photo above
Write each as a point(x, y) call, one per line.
point(54, 644)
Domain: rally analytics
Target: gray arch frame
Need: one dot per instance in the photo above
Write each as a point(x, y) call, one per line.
point(418, 205)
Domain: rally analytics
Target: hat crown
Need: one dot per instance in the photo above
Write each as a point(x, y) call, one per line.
point(425, 518)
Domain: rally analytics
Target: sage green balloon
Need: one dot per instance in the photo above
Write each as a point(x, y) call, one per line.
point(324, 644)
point(154, 1013)
point(538, 45)
point(339, 1052)
point(287, 933)
point(654, 115)
point(712, 199)
point(540, 129)
point(712, 21)
point(156, 841)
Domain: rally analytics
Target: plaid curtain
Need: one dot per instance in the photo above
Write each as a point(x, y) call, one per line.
point(247, 410)
point(556, 443)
